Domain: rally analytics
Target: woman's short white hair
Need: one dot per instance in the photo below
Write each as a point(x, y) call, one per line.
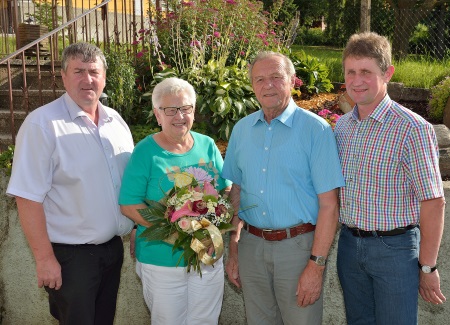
point(172, 86)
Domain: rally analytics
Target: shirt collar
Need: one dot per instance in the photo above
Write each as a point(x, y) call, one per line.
point(379, 113)
point(285, 117)
point(75, 110)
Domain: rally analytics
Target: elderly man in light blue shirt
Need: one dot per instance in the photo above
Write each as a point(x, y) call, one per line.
point(285, 170)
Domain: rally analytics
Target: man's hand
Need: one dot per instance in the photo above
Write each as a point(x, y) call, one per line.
point(233, 271)
point(48, 273)
point(429, 288)
point(309, 285)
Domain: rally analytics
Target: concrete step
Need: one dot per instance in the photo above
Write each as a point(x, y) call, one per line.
point(5, 141)
point(5, 121)
point(34, 101)
point(32, 78)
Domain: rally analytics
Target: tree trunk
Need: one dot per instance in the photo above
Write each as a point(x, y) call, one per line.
point(408, 14)
point(365, 16)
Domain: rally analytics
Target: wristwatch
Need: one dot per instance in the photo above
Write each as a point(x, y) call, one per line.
point(427, 268)
point(319, 260)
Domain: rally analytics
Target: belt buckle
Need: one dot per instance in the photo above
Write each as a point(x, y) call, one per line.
point(358, 232)
point(264, 231)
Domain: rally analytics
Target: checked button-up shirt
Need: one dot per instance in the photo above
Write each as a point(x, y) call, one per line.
point(390, 163)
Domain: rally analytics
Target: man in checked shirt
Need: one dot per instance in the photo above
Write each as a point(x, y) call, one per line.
point(392, 207)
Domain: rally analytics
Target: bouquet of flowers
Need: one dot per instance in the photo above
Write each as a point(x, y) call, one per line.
point(193, 215)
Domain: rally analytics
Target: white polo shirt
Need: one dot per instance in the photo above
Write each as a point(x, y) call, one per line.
point(63, 160)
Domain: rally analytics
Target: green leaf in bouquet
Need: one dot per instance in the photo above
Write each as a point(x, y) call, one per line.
point(157, 231)
point(201, 234)
point(155, 209)
point(223, 227)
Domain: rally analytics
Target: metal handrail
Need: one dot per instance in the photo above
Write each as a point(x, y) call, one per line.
point(56, 30)
point(21, 52)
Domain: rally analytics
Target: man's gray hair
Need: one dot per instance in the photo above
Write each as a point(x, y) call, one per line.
point(172, 86)
point(85, 51)
point(290, 69)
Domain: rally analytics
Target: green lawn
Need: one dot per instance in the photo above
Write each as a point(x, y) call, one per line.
point(419, 72)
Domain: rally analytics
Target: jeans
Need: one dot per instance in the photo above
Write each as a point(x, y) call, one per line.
point(379, 277)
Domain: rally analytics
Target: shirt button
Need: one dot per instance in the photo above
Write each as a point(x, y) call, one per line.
point(266, 148)
point(262, 191)
point(263, 213)
point(264, 170)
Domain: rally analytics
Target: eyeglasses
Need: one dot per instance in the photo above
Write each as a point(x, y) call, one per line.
point(172, 111)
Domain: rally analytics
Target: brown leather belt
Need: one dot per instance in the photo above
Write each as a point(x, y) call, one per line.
point(279, 234)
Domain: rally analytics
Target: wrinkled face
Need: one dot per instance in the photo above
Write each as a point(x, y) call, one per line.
point(84, 82)
point(271, 84)
point(180, 124)
point(365, 82)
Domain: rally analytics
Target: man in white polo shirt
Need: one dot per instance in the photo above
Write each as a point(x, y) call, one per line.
point(68, 163)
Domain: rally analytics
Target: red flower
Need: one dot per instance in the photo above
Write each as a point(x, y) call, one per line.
point(221, 209)
point(200, 207)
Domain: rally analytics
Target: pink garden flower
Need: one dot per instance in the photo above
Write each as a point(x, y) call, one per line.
point(298, 82)
point(324, 113)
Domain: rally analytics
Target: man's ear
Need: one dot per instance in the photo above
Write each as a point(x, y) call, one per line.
point(389, 73)
point(293, 81)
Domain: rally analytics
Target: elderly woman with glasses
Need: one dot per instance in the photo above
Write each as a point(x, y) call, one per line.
point(173, 295)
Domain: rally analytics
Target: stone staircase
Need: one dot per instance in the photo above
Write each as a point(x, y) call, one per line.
point(41, 90)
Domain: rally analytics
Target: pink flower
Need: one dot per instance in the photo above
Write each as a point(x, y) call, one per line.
point(242, 53)
point(208, 189)
point(195, 44)
point(186, 210)
point(139, 54)
point(187, 4)
point(324, 113)
point(231, 2)
point(298, 82)
point(216, 34)
point(335, 117)
point(184, 224)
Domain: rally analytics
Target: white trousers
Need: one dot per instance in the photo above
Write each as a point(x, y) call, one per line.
point(175, 297)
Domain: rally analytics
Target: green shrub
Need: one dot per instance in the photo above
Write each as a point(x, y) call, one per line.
point(121, 84)
point(140, 131)
point(439, 97)
point(311, 36)
point(6, 159)
point(224, 94)
point(312, 72)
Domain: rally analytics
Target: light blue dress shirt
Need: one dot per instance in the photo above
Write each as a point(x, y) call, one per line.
point(281, 167)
